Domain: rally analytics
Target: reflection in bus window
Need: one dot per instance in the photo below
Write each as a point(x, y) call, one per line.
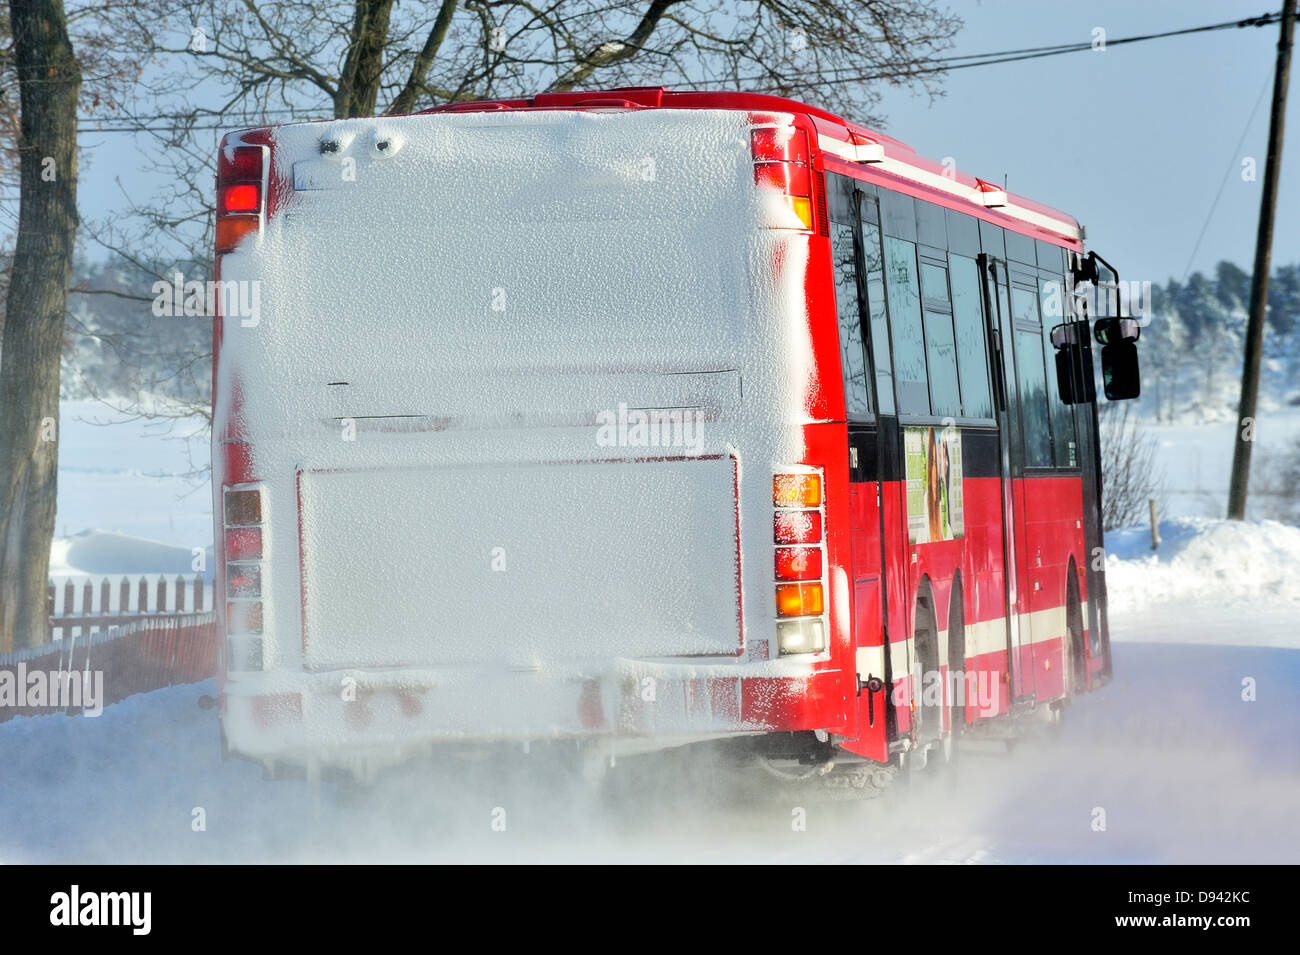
point(942, 353)
point(940, 346)
point(934, 284)
point(1032, 381)
point(902, 286)
point(873, 269)
point(853, 355)
point(1051, 294)
point(968, 316)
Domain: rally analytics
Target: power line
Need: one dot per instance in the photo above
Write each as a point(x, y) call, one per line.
point(943, 64)
point(1033, 53)
point(1232, 162)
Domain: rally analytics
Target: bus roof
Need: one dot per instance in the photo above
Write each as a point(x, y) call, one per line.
point(850, 148)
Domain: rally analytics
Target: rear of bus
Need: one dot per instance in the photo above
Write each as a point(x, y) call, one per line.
point(511, 408)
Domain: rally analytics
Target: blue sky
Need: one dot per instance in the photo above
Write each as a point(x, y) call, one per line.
point(1134, 141)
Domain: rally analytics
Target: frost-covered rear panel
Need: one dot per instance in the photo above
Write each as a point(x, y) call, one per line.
point(439, 581)
point(455, 310)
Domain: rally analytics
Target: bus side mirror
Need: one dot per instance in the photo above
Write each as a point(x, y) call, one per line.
point(1119, 371)
point(1120, 376)
point(1074, 375)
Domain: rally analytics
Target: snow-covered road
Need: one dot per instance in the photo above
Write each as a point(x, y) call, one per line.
point(1183, 768)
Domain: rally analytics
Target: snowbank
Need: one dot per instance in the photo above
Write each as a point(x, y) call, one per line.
point(108, 553)
point(1204, 561)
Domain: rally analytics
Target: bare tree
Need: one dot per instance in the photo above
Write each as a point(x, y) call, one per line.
point(1131, 475)
point(49, 82)
point(109, 68)
point(198, 67)
point(241, 64)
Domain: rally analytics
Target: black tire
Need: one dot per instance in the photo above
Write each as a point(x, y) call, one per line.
point(956, 664)
point(929, 718)
point(1076, 676)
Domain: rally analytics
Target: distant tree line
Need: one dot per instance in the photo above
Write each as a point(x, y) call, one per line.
point(119, 351)
point(1191, 348)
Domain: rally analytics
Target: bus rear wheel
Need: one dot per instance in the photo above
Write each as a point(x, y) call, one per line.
point(956, 685)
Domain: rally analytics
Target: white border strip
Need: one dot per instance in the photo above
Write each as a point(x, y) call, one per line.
point(952, 187)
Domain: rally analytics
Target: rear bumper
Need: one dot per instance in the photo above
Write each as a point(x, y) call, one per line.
point(339, 716)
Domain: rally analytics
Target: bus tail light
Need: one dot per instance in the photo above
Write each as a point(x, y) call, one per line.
point(244, 617)
point(798, 563)
point(243, 518)
point(783, 170)
point(241, 194)
point(799, 570)
point(801, 636)
point(797, 527)
point(243, 543)
point(797, 490)
point(243, 579)
point(799, 600)
point(240, 197)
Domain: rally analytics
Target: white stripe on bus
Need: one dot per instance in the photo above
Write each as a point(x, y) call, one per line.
point(903, 170)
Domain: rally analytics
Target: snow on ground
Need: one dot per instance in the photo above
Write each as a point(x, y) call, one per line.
point(1183, 765)
point(1218, 563)
point(1196, 457)
point(1184, 768)
point(108, 553)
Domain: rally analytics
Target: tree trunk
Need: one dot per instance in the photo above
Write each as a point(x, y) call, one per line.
point(49, 84)
point(358, 89)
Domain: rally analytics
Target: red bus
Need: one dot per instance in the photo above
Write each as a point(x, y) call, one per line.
point(645, 418)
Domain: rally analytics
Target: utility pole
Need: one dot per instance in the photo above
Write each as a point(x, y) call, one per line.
point(1245, 431)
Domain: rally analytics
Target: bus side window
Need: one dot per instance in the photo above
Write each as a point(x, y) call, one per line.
point(849, 319)
point(873, 269)
point(1051, 293)
point(940, 344)
point(1032, 383)
point(903, 289)
point(972, 357)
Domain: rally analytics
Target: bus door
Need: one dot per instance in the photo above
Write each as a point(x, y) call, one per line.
point(857, 267)
point(887, 651)
point(997, 310)
point(1088, 431)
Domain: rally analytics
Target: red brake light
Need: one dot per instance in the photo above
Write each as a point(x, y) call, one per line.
point(241, 197)
point(240, 201)
point(243, 543)
point(798, 563)
point(797, 527)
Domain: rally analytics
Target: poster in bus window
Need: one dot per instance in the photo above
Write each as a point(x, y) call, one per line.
point(934, 484)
